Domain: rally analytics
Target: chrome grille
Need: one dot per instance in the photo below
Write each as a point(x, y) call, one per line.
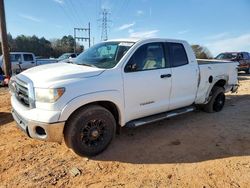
point(20, 90)
point(23, 90)
point(22, 93)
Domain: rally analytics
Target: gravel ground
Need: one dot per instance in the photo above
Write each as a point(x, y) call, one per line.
point(193, 150)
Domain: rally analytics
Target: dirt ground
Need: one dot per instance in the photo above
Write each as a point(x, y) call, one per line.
point(193, 150)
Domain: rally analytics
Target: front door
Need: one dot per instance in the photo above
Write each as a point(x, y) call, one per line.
point(147, 82)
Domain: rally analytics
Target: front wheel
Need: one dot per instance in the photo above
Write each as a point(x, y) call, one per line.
point(217, 100)
point(90, 130)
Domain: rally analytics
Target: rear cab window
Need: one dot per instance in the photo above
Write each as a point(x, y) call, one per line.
point(178, 55)
point(28, 57)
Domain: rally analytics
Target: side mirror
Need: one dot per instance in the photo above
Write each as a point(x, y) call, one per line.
point(131, 67)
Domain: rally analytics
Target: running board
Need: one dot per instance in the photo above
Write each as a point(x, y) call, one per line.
point(158, 117)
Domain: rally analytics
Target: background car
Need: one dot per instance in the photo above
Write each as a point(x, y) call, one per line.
point(242, 57)
point(66, 56)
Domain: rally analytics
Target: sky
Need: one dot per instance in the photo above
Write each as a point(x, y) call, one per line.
point(219, 25)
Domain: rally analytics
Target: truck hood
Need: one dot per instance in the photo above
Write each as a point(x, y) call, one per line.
point(47, 75)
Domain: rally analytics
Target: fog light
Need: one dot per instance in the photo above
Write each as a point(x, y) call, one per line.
point(40, 131)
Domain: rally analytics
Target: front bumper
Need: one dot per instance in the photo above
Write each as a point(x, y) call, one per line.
point(43, 131)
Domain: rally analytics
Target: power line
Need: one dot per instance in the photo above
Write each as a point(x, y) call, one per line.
point(72, 12)
point(83, 10)
point(71, 20)
point(75, 12)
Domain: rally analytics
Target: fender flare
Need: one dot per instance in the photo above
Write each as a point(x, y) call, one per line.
point(216, 80)
point(112, 96)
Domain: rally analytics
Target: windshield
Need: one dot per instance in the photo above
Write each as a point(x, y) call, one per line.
point(227, 56)
point(104, 55)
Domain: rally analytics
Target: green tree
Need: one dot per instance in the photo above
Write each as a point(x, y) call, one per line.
point(201, 52)
point(41, 46)
point(65, 45)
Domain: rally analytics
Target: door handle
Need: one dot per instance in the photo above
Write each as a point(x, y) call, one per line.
point(32, 62)
point(166, 75)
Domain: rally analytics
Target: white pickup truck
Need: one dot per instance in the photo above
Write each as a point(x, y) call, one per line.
point(24, 60)
point(20, 61)
point(114, 84)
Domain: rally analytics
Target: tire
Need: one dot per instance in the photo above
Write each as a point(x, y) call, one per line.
point(217, 100)
point(90, 130)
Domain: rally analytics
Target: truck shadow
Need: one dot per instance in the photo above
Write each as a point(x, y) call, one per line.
point(193, 137)
point(5, 118)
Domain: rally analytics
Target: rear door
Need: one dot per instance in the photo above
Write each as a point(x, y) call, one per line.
point(184, 77)
point(28, 61)
point(147, 81)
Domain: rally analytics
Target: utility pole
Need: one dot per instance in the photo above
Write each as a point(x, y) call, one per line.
point(105, 21)
point(81, 37)
point(4, 42)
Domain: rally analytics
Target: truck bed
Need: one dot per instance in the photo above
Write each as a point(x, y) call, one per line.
point(217, 69)
point(212, 61)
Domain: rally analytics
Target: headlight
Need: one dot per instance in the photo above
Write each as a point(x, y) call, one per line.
point(48, 95)
point(12, 85)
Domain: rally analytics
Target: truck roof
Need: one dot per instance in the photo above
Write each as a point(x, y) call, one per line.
point(21, 53)
point(145, 39)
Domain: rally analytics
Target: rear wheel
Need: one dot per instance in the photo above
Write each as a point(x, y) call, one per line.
point(90, 130)
point(217, 100)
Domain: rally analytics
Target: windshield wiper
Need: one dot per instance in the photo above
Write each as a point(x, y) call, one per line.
point(86, 64)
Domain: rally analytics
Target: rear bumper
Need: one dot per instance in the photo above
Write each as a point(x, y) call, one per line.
point(43, 131)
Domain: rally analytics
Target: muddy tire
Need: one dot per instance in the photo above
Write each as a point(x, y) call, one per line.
point(90, 130)
point(217, 100)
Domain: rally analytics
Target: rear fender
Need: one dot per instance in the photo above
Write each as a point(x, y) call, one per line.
point(216, 82)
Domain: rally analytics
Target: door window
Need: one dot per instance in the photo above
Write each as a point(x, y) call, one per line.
point(147, 57)
point(245, 56)
point(177, 54)
point(15, 57)
point(28, 57)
